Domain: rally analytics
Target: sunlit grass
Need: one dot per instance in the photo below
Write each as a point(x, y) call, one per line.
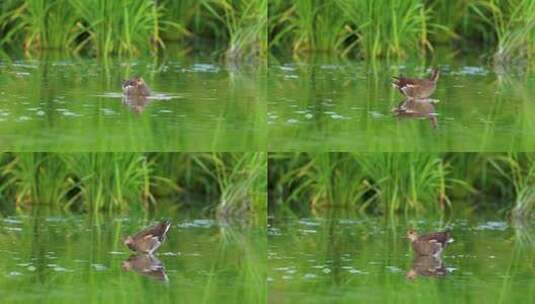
point(518, 170)
point(129, 28)
point(119, 27)
point(233, 183)
point(245, 25)
point(514, 23)
point(237, 179)
point(39, 24)
point(409, 183)
point(372, 29)
point(399, 28)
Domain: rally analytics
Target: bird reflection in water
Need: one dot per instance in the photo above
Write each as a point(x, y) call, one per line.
point(146, 265)
point(426, 266)
point(417, 108)
point(136, 103)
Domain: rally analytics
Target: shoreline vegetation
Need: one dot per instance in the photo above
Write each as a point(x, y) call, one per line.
point(395, 29)
point(227, 185)
point(404, 183)
point(104, 28)
point(246, 30)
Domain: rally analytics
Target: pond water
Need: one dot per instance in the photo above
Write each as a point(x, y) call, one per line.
point(51, 258)
point(326, 104)
point(345, 259)
point(76, 104)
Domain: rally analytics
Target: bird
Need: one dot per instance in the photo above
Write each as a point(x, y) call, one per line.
point(416, 88)
point(136, 86)
point(148, 240)
point(147, 265)
point(429, 244)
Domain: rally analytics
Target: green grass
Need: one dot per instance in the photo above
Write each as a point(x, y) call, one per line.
point(38, 24)
point(130, 28)
point(245, 26)
point(409, 183)
point(237, 179)
point(119, 27)
point(244, 29)
point(115, 182)
point(399, 28)
point(518, 171)
point(371, 29)
point(514, 23)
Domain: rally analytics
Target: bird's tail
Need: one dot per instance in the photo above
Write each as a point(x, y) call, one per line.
point(450, 239)
point(166, 224)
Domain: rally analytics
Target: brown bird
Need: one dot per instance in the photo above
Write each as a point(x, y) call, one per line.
point(429, 244)
point(417, 88)
point(147, 265)
point(136, 86)
point(149, 239)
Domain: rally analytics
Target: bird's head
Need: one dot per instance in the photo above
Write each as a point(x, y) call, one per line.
point(412, 235)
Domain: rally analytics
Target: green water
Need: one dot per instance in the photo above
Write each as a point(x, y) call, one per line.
point(346, 259)
point(76, 104)
point(325, 104)
point(54, 258)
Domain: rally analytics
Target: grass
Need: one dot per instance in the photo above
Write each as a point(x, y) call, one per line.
point(409, 183)
point(514, 23)
point(38, 24)
point(245, 29)
point(115, 182)
point(518, 171)
point(119, 27)
point(131, 28)
point(371, 29)
point(399, 28)
point(245, 26)
point(237, 179)
point(306, 25)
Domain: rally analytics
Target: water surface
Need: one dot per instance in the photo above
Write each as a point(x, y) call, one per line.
point(55, 258)
point(76, 104)
point(346, 259)
point(325, 104)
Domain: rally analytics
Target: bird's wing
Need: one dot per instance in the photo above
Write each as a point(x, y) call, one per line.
point(441, 237)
